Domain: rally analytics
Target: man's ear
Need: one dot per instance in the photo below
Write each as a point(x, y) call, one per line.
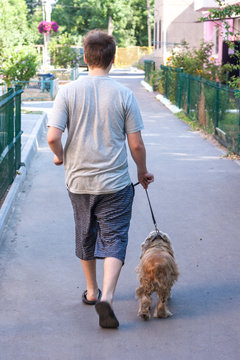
point(113, 60)
point(84, 57)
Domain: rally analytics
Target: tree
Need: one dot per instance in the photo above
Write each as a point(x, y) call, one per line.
point(32, 6)
point(126, 19)
point(223, 13)
point(14, 29)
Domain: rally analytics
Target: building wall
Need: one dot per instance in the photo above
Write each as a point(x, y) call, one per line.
point(175, 22)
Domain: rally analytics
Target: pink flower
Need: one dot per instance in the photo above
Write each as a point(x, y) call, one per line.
point(54, 26)
point(47, 27)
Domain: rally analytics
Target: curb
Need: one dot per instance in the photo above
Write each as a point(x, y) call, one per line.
point(173, 108)
point(28, 152)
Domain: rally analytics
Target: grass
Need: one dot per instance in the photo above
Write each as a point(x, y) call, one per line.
point(24, 111)
point(194, 126)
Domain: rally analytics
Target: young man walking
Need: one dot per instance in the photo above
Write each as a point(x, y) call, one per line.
point(99, 113)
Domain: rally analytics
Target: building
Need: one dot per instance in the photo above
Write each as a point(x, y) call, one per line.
point(214, 31)
point(175, 21)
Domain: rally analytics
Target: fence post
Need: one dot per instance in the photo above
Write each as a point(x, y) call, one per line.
point(149, 66)
point(217, 105)
point(51, 88)
point(166, 82)
point(188, 93)
point(179, 95)
point(10, 117)
point(18, 132)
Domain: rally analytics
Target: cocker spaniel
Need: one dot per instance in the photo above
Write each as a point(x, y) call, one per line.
point(157, 272)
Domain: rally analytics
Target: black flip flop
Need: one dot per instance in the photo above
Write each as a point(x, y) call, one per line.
point(107, 318)
point(91, 302)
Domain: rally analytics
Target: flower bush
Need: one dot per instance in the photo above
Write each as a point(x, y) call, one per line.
point(47, 27)
point(198, 62)
point(62, 54)
point(18, 64)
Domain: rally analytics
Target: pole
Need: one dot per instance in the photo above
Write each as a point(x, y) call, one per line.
point(149, 23)
point(164, 34)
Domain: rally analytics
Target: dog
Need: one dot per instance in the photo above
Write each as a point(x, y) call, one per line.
point(157, 272)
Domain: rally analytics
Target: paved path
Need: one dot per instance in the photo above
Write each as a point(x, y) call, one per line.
point(195, 199)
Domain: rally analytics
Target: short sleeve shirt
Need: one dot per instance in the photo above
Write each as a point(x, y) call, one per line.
point(98, 112)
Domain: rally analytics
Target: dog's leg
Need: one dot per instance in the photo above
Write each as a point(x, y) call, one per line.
point(161, 310)
point(145, 303)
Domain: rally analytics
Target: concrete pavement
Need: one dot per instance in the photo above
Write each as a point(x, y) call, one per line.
point(195, 199)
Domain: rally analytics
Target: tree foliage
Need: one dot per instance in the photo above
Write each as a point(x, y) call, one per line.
point(129, 18)
point(14, 29)
point(223, 13)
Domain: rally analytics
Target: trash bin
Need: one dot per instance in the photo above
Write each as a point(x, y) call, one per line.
point(46, 80)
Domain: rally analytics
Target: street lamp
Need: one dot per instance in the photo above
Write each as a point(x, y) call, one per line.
point(46, 11)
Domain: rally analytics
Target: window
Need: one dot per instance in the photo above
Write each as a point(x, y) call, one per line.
point(215, 39)
point(155, 35)
point(159, 34)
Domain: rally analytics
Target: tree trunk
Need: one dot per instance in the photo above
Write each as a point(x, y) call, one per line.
point(110, 25)
point(149, 23)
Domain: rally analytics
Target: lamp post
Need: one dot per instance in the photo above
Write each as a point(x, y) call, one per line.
point(46, 11)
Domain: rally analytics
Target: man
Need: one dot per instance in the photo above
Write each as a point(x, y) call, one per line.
point(99, 113)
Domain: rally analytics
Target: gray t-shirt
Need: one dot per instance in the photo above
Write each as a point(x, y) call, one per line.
point(98, 113)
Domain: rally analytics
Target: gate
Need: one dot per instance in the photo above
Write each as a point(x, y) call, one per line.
point(10, 137)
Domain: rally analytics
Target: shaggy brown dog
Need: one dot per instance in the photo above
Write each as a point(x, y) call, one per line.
point(157, 272)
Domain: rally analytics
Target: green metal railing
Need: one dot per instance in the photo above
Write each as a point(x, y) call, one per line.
point(10, 137)
point(214, 106)
point(149, 66)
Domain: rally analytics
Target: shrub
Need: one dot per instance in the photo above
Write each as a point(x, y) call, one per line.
point(18, 64)
point(198, 62)
point(62, 54)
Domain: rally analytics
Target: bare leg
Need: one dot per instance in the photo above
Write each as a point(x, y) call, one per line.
point(89, 269)
point(107, 318)
point(112, 268)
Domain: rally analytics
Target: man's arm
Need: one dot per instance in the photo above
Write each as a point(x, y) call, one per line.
point(138, 153)
point(54, 137)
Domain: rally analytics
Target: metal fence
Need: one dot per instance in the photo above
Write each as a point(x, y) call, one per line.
point(10, 137)
point(38, 89)
point(149, 66)
point(214, 106)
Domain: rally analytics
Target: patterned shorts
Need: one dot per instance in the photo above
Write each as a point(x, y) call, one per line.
point(102, 223)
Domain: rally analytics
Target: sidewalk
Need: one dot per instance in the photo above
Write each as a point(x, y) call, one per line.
point(195, 198)
point(32, 127)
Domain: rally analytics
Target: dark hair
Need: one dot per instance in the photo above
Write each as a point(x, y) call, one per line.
point(99, 48)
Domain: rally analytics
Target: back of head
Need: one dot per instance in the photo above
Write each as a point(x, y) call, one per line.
point(99, 48)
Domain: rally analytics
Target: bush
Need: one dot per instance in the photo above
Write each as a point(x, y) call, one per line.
point(62, 54)
point(18, 64)
point(195, 62)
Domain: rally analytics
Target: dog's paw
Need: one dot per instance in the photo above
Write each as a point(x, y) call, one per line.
point(145, 317)
point(163, 314)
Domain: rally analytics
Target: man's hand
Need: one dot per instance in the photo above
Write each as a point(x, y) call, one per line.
point(57, 161)
point(145, 179)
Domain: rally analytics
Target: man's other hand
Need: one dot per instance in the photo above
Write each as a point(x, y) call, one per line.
point(57, 161)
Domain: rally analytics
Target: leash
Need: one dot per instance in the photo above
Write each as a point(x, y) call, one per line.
point(153, 217)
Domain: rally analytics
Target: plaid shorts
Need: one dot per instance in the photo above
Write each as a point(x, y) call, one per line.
point(102, 223)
